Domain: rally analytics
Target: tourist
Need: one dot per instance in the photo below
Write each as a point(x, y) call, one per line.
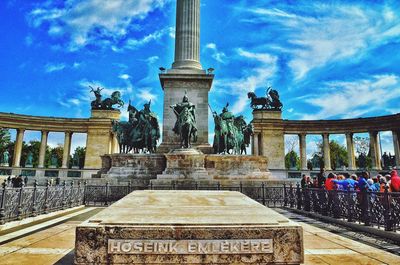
point(371, 186)
point(383, 184)
point(347, 184)
point(309, 183)
point(376, 182)
point(394, 181)
point(303, 181)
point(330, 184)
point(26, 181)
point(315, 182)
point(362, 183)
point(321, 178)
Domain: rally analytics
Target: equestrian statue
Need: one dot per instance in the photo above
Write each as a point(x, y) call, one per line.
point(270, 102)
point(185, 125)
point(108, 103)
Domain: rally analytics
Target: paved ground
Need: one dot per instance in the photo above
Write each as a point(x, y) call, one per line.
point(55, 244)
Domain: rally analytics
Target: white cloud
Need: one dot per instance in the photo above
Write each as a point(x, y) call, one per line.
point(146, 95)
point(216, 54)
point(50, 67)
point(354, 98)
point(86, 21)
point(253, 79)
point(124, 76)
point(338, 32)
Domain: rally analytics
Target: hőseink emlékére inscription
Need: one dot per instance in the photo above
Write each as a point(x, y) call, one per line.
point(231, 246)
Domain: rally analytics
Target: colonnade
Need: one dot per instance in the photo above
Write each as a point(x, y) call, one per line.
point(42, 150)
point(270, 129)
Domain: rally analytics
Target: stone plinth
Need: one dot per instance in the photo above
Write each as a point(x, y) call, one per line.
point(188, 227)
point(184, 164)
point(234, 167)
point(197, 86)
point(137, 168)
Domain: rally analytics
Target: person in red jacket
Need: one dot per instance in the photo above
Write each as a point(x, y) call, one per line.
point(329, 184)
point(394, 181)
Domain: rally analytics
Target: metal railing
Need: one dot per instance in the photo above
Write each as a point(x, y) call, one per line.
point(19, 203)
point(107, 194)
point(381, 209)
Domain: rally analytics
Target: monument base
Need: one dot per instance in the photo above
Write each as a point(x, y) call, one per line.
point(188, 227)
point(187, 164)
point(139, 169)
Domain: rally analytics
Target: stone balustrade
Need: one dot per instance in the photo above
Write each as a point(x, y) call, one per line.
point(270, 128)
point(100, 138)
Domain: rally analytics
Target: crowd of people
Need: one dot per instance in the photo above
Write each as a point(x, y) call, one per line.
point(352, 182)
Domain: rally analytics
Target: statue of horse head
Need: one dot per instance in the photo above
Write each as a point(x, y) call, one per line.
point(251, 95)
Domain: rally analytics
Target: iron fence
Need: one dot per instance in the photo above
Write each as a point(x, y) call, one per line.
point(19, 203)
point(381, 209)
point(107, 194)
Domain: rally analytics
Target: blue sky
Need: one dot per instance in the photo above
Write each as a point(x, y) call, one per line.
point(328, 59)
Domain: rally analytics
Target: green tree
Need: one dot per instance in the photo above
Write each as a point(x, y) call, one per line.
point(338, 155)
point(58, 151)
point(5, 139)
point(80, 152)
point(292, 158)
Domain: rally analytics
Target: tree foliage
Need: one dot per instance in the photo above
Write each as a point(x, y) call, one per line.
point(292, 158)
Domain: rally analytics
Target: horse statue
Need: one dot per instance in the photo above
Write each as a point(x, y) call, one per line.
point(221, 135)
point(258, 103)
point(115, 99)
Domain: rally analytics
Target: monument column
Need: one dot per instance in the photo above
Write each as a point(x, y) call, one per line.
point(187, 35)
point(396, 146)
point(303, 151)
point(374, 150)
point(327, 151)
point(42, 150)
point(67, 149)
point(18, 148)
point(350, 151)
point(186, 77)
point(256, 151)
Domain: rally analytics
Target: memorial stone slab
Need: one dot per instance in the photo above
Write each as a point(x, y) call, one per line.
point(188, 227)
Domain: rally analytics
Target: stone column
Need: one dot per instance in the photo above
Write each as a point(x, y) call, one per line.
point(396, 146)
point(255, 149)
point(42, 150)
point(114, 144)
point(67, 149)
point(375, 151)
point(350, 151)
point(18, 148)
point(187, 35)
point(327, 151)
point(303, 151)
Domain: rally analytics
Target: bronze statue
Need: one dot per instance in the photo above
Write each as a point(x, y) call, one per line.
point(108, 103)
point(185, 125)
point(231, 133)
point(270, 102)
point(140, 133)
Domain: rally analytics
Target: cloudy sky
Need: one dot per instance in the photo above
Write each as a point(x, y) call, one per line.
point(328, 59)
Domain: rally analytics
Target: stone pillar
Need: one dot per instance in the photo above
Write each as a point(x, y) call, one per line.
point(350, 151)
point(18, 148)
point(67, 149)
point(327, 151)
point(114, 144)
point(303, 151)
point(255, 145)
point(42, 150)
point(396, 146)
point(374, 150)
point(187, 35)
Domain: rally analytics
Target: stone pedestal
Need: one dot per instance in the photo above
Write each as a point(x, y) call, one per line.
point(184, 164)
point(188, 227)
point(99, 136)
point(139, 169)
point(197, 85)
point(269, 137)
point(232, 167)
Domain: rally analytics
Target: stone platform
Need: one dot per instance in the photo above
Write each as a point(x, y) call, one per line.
point(188, 227)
